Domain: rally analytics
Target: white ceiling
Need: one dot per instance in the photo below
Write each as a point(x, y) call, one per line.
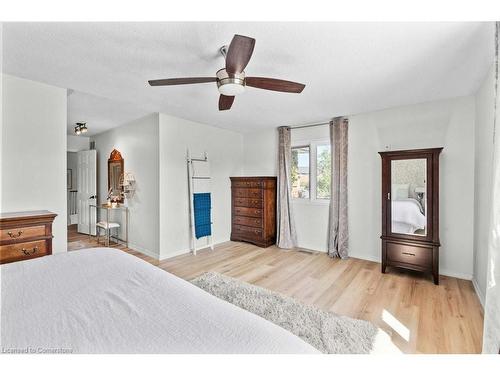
point(348, 68)
point(100, 114)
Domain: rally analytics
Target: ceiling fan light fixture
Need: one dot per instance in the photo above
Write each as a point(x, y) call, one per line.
point(230, 85)
point(231, 80)
point(231, 89)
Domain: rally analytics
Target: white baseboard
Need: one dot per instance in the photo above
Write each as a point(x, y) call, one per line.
point(479, 293)
point(187, 251)
point(457, 275)
point(142, 250)
point(365, 257)
point(175, 254)
point(444, 272)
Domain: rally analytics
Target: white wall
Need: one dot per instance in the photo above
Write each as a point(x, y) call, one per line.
point(138, 144)
point(224, 150)
point(77, 143)
point(483, 179)
point(1, 111)
point(34, 151)
point(491, 333)
point(447, 123)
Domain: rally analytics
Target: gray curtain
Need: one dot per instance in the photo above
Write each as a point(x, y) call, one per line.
point(286, 234)
point(338, 236)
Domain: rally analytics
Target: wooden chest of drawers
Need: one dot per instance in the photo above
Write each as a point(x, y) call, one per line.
point(253, 202)
point(25, 235)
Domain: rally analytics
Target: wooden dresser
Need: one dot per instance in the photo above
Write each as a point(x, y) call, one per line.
point(25, 235)
point(254, 210)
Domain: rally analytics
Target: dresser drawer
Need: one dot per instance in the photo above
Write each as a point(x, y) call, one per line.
point(249, 233)
point(21, 251)
point(22, 233)
point(248, 193)
point(247, 184)
point(415, 255)
point(248, 202)
point(249, 221)
point(248, 211)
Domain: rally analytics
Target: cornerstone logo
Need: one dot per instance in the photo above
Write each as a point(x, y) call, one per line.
point(38, 350)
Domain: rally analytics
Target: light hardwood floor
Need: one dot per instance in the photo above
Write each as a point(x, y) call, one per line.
point(420, 316)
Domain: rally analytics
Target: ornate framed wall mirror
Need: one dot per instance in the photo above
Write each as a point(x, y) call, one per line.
point(115, 171)
point(410, 210)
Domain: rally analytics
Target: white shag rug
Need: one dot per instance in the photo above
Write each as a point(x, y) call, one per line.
point(326, 331)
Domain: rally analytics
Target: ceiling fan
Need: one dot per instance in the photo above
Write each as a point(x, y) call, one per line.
point(231, 80)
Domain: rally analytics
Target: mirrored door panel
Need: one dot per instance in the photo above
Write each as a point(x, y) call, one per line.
point(408, 196)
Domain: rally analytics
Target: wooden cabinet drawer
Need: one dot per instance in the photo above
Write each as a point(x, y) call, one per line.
point(249, 221)
point(248, 211)
point(21, 251)
point(247, 184)
point(248, 193)
point(415, 255)
point(248, 202)
point(19, 234)
point(247, 232)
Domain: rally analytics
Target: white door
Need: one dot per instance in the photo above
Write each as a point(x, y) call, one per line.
point(87, 191)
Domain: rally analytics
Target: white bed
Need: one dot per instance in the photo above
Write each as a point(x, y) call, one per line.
point(407, 216)
point(106, 301)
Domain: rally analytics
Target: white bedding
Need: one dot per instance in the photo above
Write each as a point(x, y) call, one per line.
point(106, 301)
point(406, 216)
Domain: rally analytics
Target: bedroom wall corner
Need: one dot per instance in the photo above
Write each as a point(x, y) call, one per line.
point(34, 151)
point(483, 179)
point(224, 148)
point(138, 143)
point(448, 123)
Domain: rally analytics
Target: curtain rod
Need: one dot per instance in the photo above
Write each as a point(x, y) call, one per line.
point(309, 125)
point(312, 125)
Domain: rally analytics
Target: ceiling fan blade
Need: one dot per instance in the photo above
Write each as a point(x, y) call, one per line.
point(225, 102)
point(274, 84)
point(238, 54)
point(181, 81)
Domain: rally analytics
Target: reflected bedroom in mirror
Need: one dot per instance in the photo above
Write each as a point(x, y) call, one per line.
point(408, 196)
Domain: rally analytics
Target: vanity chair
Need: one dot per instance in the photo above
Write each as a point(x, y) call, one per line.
point(107, 227)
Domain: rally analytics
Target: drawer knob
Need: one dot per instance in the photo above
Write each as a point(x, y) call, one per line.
point(411, 254)
point(30, 252)
point(12, 235)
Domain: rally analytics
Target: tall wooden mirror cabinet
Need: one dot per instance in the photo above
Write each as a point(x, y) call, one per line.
point(410, 210)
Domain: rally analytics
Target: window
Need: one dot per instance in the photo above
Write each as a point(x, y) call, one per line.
point(300, 172)
point(323, 171)
point(311, 171)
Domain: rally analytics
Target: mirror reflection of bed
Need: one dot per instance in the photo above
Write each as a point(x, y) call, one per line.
point(408, 196)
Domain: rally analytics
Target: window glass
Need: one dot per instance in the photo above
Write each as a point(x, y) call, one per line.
point(323, 171)
point(300, 172)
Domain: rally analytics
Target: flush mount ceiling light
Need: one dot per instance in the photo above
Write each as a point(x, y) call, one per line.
point(80, 128)
point(231, 80)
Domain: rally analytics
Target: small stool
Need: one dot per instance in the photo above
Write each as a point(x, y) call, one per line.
point(107, 229)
